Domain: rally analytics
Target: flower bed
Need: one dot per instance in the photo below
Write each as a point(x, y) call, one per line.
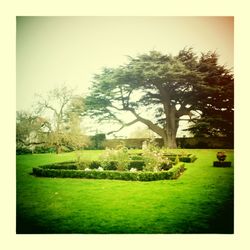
point(64, 171)
point(106, 165)
point(152, 163)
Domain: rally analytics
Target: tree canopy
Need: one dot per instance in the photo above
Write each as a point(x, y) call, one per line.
point(55, 122)
point(65, 129)
point(216, 104)
point(30, 129)
point(159, 90)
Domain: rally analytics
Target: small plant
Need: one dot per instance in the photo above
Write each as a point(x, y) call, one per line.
point(183, 153)
point(80, 162)
point(166, 165)
point(119, 155)
point(94, 164)
point(177, 160)
point(78, 156)
point(109, 165)
point(154, 158)
point(221, 156)
point(139, 164)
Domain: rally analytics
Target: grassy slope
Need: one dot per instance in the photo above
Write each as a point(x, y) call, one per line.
point(200, 201)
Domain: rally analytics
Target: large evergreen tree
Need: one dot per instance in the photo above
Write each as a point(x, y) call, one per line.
point(160, 90)
point(216, 102)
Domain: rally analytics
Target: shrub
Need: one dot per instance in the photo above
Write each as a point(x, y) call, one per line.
point(83, 164)
point(43, 150)
point(136, 157)
point(22, 151)
point(138, 164)
point(165, 165)
point(122, 165)
point(95, 164)
point(97, 141)
point(110, 165)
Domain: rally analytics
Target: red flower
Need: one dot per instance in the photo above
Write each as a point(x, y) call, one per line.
point(221, 156)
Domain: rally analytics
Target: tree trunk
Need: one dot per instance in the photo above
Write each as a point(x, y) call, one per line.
point(58, 149)
point(171, 141)
point(171, 128)
point(169, 132)
point(165, 140)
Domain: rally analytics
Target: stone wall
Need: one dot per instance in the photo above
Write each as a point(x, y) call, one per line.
point(190, 142)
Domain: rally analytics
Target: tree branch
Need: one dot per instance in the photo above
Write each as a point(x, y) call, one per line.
point(123, 126)
point(114, 116)
point(158, 130)
point(189, 119)
point(183, 111)
point(65, 101)
point(46, 105)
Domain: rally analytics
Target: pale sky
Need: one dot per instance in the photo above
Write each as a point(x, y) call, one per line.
point(52, 51)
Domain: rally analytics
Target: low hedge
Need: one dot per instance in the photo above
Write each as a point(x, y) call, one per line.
point(61, 165)
point(183, 158)
point(136, 157)
point(190, 158)
point(173, 173)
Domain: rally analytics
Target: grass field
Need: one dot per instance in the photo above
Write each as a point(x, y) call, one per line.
point(200, 201)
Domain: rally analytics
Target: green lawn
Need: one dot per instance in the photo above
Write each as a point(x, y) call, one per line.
point(200, 201)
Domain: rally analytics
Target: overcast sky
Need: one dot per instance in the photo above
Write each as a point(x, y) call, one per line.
point(52, 51)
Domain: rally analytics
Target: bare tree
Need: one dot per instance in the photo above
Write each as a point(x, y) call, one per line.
point(60, 106)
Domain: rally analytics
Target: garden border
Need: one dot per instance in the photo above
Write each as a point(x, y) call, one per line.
point(173, 173)
point(187, 158)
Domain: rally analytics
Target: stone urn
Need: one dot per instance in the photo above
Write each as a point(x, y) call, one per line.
point(221, 156)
